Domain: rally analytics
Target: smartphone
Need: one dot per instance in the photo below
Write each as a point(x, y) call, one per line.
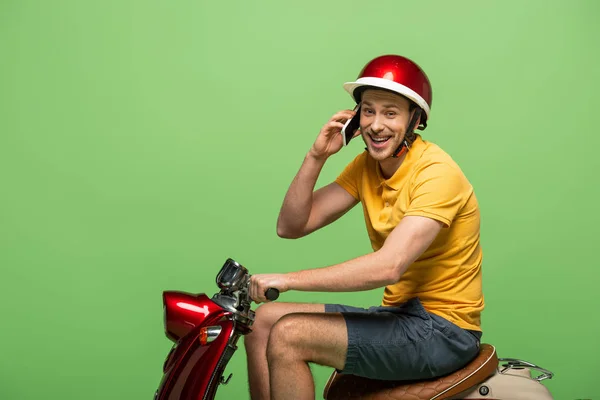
point(351, 126)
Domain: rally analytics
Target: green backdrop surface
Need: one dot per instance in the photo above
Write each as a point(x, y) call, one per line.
point(144, 142)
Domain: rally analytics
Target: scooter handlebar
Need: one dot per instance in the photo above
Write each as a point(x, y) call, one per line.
point(272, 294)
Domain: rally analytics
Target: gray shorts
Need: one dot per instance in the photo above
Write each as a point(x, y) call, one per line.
point(404, 342)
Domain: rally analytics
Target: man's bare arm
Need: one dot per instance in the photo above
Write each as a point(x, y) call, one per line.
point(404, 245)
point(304, 210)
point(327, 204)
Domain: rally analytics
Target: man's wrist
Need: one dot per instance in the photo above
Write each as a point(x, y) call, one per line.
point(312, 155)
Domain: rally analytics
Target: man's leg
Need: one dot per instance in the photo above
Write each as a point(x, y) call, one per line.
point(300, 338)
point(256, 342)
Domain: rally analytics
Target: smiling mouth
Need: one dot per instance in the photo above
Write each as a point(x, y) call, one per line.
point(380, 140)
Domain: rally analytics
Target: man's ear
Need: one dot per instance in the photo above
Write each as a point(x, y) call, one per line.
point(418, 121)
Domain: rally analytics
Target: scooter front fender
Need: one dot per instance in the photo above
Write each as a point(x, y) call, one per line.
point(185, 311)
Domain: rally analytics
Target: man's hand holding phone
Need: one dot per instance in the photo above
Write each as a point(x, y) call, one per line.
point(330, 139)
point(350, 129)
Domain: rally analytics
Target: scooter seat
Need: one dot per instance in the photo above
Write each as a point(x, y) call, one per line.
point(343, 386)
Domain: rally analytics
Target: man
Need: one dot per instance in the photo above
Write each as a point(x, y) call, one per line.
point(422, 218)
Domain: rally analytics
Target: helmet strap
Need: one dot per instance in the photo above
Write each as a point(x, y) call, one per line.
point(404, 146)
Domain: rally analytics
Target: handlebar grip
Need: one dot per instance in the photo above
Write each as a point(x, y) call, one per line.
point(272, 294)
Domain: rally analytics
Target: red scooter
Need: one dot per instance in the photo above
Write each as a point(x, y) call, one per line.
point(205, 332)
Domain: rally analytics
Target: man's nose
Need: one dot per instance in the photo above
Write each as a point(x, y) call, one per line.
point(377, 125)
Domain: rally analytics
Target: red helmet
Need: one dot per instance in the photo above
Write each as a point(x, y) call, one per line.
point(398, 74)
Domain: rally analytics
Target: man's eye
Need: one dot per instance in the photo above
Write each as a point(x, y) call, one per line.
point(391, 114)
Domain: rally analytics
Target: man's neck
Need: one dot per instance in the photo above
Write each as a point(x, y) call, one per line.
point(389, 166)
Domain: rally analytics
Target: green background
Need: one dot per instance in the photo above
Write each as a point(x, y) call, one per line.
point(144, 142)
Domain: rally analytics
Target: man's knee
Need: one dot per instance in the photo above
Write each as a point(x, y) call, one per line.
point(265, 317)
point(284, 337)
point(260, 328)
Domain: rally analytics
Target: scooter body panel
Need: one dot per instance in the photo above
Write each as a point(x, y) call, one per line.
point(193, 370)
point(513, 385)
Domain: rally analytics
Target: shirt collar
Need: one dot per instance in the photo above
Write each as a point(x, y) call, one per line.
point(414, 153)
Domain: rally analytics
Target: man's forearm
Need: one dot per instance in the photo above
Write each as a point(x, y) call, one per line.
point(298, 200)
point(366, 272)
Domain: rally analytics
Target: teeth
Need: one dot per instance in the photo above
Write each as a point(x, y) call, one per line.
point(379, 139)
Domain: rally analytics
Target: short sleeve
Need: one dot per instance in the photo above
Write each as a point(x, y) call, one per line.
point(350, 177)
point(439, 192)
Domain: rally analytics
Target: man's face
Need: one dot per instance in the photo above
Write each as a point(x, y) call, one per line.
point(383, 121)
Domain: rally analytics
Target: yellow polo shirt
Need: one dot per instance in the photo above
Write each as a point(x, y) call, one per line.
point(447, 276)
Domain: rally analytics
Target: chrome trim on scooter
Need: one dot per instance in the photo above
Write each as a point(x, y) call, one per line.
point(233, 296)
point(224, 359)
point(513, 363)
point(212, 332)
point(228, 302)
point(232, 276)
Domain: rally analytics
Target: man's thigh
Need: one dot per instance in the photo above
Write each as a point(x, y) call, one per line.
point(269, 313)
point(300, 330)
